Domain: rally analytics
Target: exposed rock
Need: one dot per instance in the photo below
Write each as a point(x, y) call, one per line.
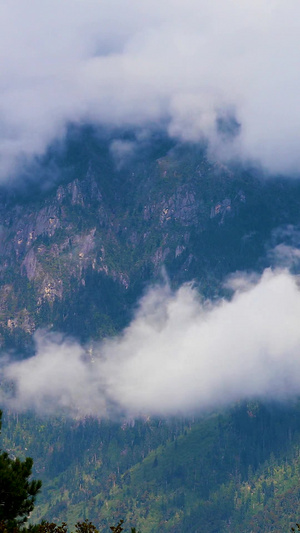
point(29, 265)
point(115, 230)
point(23, 321)
point(50, 289)
point(160, 256)
point(179, 250)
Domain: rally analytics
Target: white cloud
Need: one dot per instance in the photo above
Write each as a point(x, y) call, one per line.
point(121, 62)
point(179, 355)
point(122, 151)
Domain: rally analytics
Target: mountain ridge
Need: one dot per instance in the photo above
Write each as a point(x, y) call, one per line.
point(76, 257)
point(198, 219)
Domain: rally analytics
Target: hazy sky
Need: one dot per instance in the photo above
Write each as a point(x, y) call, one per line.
point(133, 62)
point(179, 355)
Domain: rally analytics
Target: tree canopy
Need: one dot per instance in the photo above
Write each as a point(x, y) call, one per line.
point(17, 491)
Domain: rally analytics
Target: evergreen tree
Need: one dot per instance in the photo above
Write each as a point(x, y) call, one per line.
point(17, 491)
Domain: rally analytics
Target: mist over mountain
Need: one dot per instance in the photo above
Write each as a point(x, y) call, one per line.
point(85, 256)
point(178, 356)
point(150, 259)
point(225, 73)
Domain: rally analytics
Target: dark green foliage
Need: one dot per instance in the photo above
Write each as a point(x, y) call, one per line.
point(17, 491)
point(51, 527)
point(240, 466)
point(17, 494)
point(118, 528)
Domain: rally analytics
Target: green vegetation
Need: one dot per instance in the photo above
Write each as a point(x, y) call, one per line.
point(239, 467)
point(17, 491)
point(95, 243)
point(17, 498)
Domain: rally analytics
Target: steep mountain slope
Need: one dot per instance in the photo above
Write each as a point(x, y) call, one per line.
point(229, 471)
point(103, 228)
point(76, 254)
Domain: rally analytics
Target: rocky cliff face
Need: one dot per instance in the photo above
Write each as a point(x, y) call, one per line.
point(77, 257)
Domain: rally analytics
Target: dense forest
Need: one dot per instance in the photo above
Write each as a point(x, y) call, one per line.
point(234, 469)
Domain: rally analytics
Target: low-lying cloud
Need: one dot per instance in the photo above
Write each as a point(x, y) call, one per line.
point(225, 71)
point(179, 355)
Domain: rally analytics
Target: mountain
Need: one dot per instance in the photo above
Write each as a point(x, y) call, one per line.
point(84, 232)
point(82, 238)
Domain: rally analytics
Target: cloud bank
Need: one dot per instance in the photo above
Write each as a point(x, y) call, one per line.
point(179, 355)
point(226, 71)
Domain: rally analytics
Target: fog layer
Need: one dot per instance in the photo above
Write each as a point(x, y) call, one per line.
point(179, 355)
point(223, 70)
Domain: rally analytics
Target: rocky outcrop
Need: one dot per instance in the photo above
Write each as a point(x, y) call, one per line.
point(118, 230)
point(181, 207)
point(29, 265)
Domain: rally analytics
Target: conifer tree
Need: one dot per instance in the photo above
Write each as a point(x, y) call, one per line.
point(17, 491)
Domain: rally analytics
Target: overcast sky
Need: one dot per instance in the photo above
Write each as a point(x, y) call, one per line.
point(133, 62)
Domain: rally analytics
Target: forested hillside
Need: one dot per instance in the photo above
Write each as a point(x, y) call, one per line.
point(233, 470)
point(76, 256)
